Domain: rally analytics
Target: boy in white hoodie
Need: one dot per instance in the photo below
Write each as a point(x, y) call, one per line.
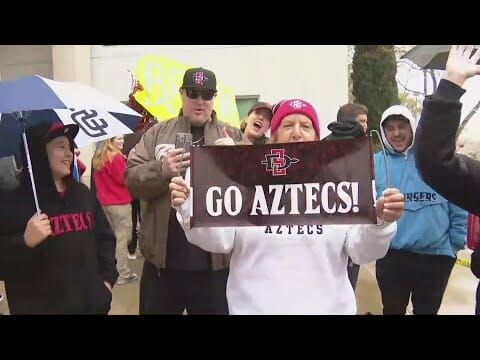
point(298, 269)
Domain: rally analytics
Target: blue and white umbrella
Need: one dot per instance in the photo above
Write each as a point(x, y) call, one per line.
point(29, 100)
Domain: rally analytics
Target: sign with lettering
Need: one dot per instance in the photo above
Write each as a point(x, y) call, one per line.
point(319, 182)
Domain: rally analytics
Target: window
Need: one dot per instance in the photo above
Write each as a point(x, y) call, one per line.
point(244, 103)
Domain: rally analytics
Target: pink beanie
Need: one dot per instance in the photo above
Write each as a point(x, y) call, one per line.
point(294, 106)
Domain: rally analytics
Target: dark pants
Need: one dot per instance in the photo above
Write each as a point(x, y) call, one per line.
point(132, 246)
point(401, 273)
point(353, 270)
point(171, 291)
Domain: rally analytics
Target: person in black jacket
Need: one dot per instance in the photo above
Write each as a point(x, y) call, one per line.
point(352, 120)
point(61, 261)
point(455, 176)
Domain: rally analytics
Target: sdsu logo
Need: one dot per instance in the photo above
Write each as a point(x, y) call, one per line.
point(199, 78)
point(277, 162)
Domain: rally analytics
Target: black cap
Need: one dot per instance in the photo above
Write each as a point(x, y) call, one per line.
point(199, 78)
point(59, 129)
point(261, 105)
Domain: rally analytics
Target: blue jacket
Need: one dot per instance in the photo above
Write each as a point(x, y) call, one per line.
point(431, 224)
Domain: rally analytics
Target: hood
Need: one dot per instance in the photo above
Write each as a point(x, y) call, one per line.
point(397, 110)
point(345, 129)
point(37, 141)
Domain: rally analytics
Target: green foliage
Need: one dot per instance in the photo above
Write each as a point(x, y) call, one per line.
point(374, 68)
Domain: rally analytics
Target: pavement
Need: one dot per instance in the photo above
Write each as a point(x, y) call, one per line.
point(459, 297)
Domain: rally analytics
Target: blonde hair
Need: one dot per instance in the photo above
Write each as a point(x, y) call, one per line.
point(106, 153)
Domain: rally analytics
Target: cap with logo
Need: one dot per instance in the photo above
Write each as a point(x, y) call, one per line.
point(199, 78)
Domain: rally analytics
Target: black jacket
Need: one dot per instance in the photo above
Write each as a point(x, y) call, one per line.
point(345, 129)
point(455, 176)
point(66, 272)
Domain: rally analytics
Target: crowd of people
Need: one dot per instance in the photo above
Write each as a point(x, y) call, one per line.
point(68, 257)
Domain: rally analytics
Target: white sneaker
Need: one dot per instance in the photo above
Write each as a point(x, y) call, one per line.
point(131, 256)
point(129, 279)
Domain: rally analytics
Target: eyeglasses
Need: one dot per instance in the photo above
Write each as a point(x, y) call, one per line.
point(205, 94)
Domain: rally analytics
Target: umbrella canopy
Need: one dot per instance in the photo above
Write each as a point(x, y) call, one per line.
point(429, 56)
point(33, 99)
point(37, 99)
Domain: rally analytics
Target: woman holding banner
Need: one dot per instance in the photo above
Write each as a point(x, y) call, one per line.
point(298, 272)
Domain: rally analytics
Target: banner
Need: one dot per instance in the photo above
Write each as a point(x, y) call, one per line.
point(161, 77)
point(319, 182)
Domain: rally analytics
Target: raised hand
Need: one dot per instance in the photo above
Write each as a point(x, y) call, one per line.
point(461, 64)
point(225, 140)
point(180, 191)
point(175, 162)
point(391, 205)
point(38, 229)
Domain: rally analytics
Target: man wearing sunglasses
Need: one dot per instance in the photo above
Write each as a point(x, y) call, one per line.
point(176, 274)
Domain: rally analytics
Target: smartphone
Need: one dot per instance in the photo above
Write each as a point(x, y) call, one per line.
point(183, 140)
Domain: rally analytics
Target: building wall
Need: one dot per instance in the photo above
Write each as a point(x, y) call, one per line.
point(23, 60)
point(318, 73)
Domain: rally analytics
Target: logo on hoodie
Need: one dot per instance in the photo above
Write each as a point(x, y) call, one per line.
point(71, 222)
point(277, 162)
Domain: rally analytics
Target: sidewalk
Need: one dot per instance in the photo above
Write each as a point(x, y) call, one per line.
point(459, 298)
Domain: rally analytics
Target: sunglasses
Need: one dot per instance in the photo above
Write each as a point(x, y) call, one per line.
point(205, 94)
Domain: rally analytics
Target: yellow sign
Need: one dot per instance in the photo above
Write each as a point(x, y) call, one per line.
point(463, 262)
point(161, 77)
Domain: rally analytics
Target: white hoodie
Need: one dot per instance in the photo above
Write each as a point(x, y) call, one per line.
point(296, 269)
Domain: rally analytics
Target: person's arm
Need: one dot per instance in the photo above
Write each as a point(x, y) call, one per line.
point(458, 226)
point(212, 239)
point(148, 178)
point(144, 175)
point(18, 249)
point(454, 176)
point(106, 244)
point(366, 243)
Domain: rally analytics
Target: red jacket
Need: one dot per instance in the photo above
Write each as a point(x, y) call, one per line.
point(110, 182)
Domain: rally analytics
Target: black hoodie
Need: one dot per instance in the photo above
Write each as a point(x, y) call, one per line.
point(345, 129)
point(455, 176)
point(66, 272)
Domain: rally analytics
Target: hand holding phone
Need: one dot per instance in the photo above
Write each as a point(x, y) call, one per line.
point(183, 141)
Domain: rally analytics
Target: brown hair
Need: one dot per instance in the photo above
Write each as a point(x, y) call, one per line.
point(352, 110)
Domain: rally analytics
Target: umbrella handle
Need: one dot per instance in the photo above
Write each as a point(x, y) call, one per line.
point(29, 165)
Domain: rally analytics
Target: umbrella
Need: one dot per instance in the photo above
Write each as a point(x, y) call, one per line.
point(34, 99)
point(429, 56)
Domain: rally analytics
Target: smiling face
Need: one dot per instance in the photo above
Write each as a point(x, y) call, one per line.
point(60, 157)
point(295, 128)
point(398, 132)
point(117, 143)
point(257, 123)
